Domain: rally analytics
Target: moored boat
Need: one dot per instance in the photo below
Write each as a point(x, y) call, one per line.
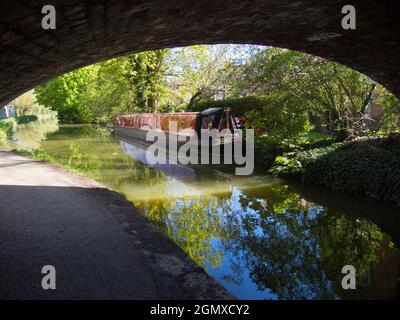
point(186, 124)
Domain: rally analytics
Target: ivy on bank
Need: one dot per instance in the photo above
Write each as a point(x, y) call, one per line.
point(368, 166)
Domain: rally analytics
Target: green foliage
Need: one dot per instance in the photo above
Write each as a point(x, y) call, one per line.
point(95, 93)
point(280, 118)
point(390, 119)
point(335, 96)
point(109, 93)
point(3, 138)
point(145, 73)
point(277, 115)
point(66, 95)
point(370, 167)
point(28, 107)
point(7, 126)
point(42, 155)
point(201, 72)
point(27, 130)
point(35, 154)
point(266, 149)
point(161, 80)
point(283, 165)
point(25, 103)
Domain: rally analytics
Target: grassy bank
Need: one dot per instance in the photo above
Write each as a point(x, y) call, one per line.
point(35, 154)
point(369, 167)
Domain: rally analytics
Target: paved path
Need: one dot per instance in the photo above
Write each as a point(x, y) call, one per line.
point(99, 245)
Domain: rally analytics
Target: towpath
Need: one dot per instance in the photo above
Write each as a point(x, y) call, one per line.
point(99, 245)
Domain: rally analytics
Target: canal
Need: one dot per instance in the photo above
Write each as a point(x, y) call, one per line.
point(259, 236)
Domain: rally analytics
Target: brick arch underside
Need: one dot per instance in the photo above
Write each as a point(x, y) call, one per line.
point(91, 31)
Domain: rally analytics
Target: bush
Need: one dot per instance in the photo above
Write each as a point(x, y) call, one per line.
point(267, 148)
point(286, 166)
point(8, 126)
point(265, 151)
point(29, 110)
point(36, 154)
point(370, 167)
point(390, 119)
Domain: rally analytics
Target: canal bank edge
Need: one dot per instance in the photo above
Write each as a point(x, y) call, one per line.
point(174, 274)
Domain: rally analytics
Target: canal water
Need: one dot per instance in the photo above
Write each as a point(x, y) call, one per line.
point(259, 236)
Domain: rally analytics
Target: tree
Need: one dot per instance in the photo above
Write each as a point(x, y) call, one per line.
point(145, 73)
point(390, 119)
point(335, 94)
point(132, 83)
point(202, 71)
point(67, 94)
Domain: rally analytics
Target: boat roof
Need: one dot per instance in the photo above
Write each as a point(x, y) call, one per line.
point(210, 111)
point(204, 113)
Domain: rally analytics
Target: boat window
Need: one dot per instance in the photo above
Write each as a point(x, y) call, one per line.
point(207, 122)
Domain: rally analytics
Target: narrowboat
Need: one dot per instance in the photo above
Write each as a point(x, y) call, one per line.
point(136, 126)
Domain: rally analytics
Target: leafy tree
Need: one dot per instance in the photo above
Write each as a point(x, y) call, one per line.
point(201, 72)
point(390, 118)
point(145, 73)
point(93, 94)
point(281, 118)
point(335, 94)
point(66, 95)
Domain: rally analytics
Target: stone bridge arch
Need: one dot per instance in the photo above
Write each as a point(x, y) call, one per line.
point(89, 31)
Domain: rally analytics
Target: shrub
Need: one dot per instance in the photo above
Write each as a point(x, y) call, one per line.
point(285, 166)
point(8, 126)
point(41, 155)
point(369, 166)
point(267, 148)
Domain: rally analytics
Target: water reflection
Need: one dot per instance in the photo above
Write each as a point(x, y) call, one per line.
point(29, 134)
point(262, 238)
point(139, 152)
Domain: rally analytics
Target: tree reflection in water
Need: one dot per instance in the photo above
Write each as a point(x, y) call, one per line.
point(286, 245)
point(29, 136)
